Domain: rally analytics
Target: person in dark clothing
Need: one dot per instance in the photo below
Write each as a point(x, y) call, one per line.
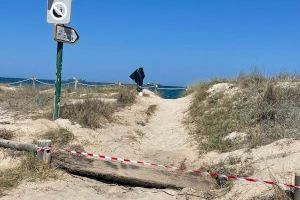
point(138, 77)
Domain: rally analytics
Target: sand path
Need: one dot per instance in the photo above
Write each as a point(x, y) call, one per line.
point(160, 138)
point(165, 135)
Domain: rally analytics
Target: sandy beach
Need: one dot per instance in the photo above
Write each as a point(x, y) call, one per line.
point(161, 137)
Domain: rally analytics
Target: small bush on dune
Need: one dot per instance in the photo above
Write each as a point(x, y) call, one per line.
point(151, 110)
point(30, 169)
point(43, 100)
point(262, 108)
point(59, 138)
point(89, 113)
point(95, 113)
point(6, 135)
point(250, 80)
point(126, 96)
point(26, 99)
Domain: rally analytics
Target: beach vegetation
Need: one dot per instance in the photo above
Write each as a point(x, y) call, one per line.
point(30, 169)
point(26, 99)
point(89, 113)
point(59, 138)
point(266, 109)
point(86, 106)
point(151, 110)
point(6, 134)
point(126, 96)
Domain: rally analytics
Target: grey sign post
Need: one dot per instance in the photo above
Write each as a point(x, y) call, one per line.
point(59, 11)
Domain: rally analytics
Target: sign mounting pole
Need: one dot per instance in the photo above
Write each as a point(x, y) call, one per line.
point(59, 14)
point(59, 56)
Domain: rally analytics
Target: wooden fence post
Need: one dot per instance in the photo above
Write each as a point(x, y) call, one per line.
point(76, 84)
point(44, 154)
point(156, 88)
point(33, 82)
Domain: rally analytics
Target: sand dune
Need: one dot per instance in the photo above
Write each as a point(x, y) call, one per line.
point(160, 138)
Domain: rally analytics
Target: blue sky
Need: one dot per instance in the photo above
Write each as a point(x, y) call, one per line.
point(177, 42)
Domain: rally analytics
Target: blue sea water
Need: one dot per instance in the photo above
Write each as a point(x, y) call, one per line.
point(167, 93)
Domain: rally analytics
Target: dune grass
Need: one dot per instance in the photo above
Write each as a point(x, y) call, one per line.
point(90, 92)
point(90, 112)
point(30, 169)
point(26, 99)
point(126, 96)
point(267, 109)
point(6, 134)
point(94, 113)
point(151, 110)
point(59, 138)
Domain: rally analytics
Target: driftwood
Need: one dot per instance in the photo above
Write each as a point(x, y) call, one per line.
point(129, 174)
point(117, 172)
point(17, 145)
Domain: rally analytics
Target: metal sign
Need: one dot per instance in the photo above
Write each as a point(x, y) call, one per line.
point(65, 34)
point(59, 11)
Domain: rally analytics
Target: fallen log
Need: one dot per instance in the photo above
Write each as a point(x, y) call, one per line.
point(129, 174)
point(18, 146)
point(117, 172)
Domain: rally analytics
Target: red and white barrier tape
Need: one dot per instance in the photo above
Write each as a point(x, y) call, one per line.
point(169, 167)
point(42, 149)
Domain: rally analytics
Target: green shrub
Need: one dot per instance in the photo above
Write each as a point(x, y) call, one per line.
point(6, 135)
point(30, 169)
point(26, 100)
point(126, 96)
point(262, 108)
point(59, 138)
point(89, 113)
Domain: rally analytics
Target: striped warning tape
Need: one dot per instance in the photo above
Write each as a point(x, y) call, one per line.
point(169, 167)
point(112, 158)
point(41, 149)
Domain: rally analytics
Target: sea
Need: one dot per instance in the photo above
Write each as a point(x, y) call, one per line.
point(167, 91)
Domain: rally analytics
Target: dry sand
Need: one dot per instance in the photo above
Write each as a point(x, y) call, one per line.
point(163, 139)
point(160, 138)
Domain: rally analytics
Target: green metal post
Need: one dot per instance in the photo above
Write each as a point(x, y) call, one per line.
point(59, 56)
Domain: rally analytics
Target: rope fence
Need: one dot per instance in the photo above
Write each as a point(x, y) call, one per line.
point(44, 83)
point(76, 83)
point(19, 82)
point(91, 85)
point(164, 88)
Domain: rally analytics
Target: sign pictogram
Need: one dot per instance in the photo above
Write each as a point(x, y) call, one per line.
point(59, 11)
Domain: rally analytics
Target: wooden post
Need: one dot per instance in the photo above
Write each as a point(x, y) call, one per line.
point(45, 154)
point(33, 82)
point(76, 84)
point(297, 182)
point(156, 88)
